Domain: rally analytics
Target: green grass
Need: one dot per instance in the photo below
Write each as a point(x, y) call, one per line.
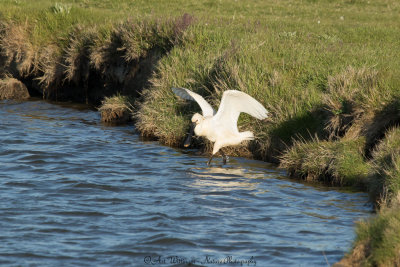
point(385, 176)
point(336, 162)
point(378, 240)
point(284, 58)
point(328, 72)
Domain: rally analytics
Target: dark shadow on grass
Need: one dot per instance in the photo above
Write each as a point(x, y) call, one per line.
point(375, 131)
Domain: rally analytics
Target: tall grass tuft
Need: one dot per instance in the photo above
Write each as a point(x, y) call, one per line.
point(335, 162)
point(385, 176)
point(59, 8)
point(116, 109)
point(350, 95)
point(378, 240)
point(77, 54)
point(127, 43)
point(16, 51)
point(50, 71)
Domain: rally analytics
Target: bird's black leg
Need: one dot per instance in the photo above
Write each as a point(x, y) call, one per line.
point(224, 157)
point(209, 161)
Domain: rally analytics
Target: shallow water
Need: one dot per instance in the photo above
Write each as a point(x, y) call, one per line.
point(75, 192)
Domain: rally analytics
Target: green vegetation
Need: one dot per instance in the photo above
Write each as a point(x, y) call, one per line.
point(339, 162)
point(378, 240)
point(385, 177)
point(328, 72)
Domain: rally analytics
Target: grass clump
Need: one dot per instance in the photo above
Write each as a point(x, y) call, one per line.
point(17, 54)
point(85, 63)
point(350, 94)
point(77, 54)
point(116, 109)
point(131, 40)
point(375, 126)
point(385, 176)
point(378, 240)
point(11, 88)
point(335, 162)
point(60, 8)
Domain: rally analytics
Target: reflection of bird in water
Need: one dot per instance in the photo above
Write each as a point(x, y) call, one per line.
point(221, 127)
point(216, 179)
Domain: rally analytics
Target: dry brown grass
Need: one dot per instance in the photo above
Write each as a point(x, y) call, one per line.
point(77, 54)
point(107, 58)
point(61, 68)
point(16, 50)
point(130, 42)
point(350, 95)
point(357, 257)
point(50, 73)
point(11, 88)
point(116, 109)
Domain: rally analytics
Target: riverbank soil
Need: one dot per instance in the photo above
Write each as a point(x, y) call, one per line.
point(328, 72)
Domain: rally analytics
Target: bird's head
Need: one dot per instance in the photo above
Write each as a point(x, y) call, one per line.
point(197, 119)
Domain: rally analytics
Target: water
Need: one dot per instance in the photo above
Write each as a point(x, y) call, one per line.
point(75, 192)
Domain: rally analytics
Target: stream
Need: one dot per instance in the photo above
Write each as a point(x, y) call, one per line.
point(76, 192)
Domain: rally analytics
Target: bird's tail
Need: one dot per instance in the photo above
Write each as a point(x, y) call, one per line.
point(247, 135)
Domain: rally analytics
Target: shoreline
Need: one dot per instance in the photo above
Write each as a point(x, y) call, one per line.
point(338, 127)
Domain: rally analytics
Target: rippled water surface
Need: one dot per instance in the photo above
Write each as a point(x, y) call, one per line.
point(79, 193)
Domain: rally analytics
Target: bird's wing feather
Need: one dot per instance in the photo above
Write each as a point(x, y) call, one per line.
point(189, 95)
point(233, 103)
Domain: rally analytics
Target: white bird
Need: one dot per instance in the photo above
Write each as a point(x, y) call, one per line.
point(221, 127)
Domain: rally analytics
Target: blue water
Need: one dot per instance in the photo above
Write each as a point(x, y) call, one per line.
point(75, 192)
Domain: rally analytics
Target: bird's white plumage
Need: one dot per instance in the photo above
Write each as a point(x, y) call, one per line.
point(221, 127)
point(189, 95)
point(233, 103)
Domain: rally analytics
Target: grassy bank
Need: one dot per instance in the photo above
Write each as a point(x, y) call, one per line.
point(328, 71)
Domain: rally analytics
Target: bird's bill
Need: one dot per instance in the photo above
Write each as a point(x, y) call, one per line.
point(188, 140)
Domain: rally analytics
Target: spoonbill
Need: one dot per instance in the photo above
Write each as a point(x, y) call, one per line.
point(221, 127)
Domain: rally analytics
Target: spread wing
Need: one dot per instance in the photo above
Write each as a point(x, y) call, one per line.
point(189, 95)
point(233, 103)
